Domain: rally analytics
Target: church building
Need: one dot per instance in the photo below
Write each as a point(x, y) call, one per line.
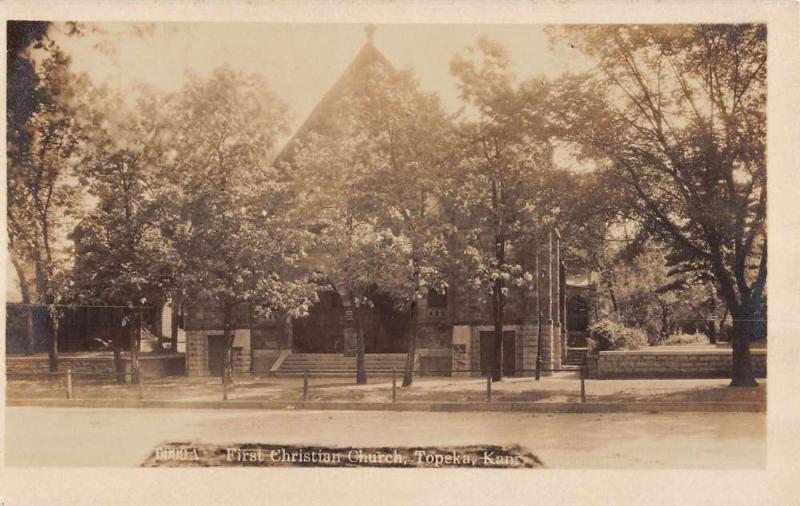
point(455, 330)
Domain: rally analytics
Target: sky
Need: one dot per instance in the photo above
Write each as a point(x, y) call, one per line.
point(299, 61)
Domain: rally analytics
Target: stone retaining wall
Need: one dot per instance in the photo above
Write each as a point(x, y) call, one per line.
point(669, 364)
point(197, 351)
point(434, 361)
point(101, 364)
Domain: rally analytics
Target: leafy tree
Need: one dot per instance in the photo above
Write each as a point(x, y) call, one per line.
point(373, 179)
point(122, 259)
point(406, 134)
point(350, 250)
point(676, 116)
point(232, 234)
point(643, 291)
point(42, 141)
point(503, 180)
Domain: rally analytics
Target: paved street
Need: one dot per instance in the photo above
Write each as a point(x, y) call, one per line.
point(125, 437)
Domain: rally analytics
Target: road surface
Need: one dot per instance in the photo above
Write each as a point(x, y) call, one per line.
point(125, 437)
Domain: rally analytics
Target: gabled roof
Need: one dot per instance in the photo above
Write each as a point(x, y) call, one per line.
point(352, 81)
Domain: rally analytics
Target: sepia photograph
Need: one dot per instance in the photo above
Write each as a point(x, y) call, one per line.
point(386, 245)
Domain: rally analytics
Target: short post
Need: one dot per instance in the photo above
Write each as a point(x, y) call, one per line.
point(394, 384)
point(69, 384)
point(583, 385)
point(141, 385)
point(488, 387)
point(224, 385)
point(305, 385)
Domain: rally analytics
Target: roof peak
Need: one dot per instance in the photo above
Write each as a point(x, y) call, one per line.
point(369, 30)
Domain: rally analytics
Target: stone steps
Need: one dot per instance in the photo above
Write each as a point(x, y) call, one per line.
point(575, 356)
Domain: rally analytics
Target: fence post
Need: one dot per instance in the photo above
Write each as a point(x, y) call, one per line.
point(224, 384)
point(305, 384)
point(583, 385)
point(488, 387)
point(141, 386)
point(69, 384)
point(394, 384)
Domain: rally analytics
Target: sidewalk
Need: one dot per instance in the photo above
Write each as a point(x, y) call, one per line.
point(555, 393)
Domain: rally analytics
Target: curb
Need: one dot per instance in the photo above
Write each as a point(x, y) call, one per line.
point(452, 407)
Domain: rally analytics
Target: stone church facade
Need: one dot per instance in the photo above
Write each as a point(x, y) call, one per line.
point(455, 329)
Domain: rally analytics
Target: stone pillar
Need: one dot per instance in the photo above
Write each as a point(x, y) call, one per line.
point(545, 278)
point(350, 344)
point(526, 349)
point(555, 271)
point(528, 332)
point(462, 349)
point(563, 305)
point(196, 353)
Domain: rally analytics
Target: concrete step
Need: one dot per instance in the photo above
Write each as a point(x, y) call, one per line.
point(575, 356)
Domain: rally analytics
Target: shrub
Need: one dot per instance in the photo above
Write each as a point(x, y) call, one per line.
point(696, 338)
point(608, 335)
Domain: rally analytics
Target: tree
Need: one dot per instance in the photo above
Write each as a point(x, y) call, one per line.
point(350, 250)
point(41, 144)
point(505, 164)
point(371, 181)
point(644, 292)
point(232, 234)
point(122, 259)
point(676, 115)
point(406, 134)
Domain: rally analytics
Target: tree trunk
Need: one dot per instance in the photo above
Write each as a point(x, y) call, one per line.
point(613, 300)
point(52, 341)
point(361, 370)
point(116, 337)
point(711, 328)
point(45, 299)
point(497, 358)
point(665, 325)
point(712, 323)
point(26, 301)
point(498, 298)
point(411, 356)
point(408, 373)
point(173, 331)
point(228, 336)
point(52, 344)
point(742, 366)
point(30, 344)
point(134, 328)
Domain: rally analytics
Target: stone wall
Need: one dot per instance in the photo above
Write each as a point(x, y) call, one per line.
point(669, 364)
point(91, 364)
point(461, 350)
point(206, 316)
point(434, 361)
point(434, 334)
point(242, 359)
point(197, 351)
point(465, 352)
point(196, 357)
point(79, 364)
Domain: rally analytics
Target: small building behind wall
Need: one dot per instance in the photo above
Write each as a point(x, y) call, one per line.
point(205, 345)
